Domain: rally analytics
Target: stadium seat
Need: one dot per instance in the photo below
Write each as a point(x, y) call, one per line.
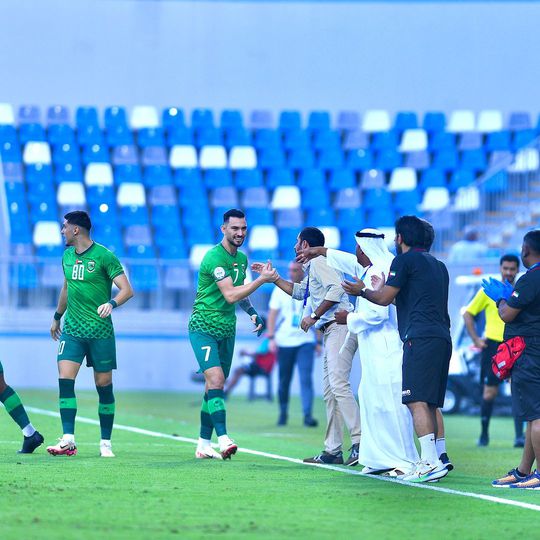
point(214, 178)
point(347, 198)
point(183, 156)
point(348, 121)
point(213, 157)
point(10, 152)
point(125, 155)
point(523, 138)
point(8, 134)
point(69, 172)
point(311, 178)
point(434, 122)
point(6, 114)
point(355, 140)
point(177, 278)
point(157, 175)
point(202, 118)
point(280, 177)
point(138, 235)
point(258, 216)
point(37, 152)
point(319, 121)
point(242, 157)
point(66, 153)
point(144, 116)
point(197, 253)
point(413, 140)
point(435, 198)
point(500, 158)
point(71, 194)
point(29, 114)
point(373, 179)
point(267, 138)
point(380, 217)
point(446, 160)
point(330, 159)
point(327, 139)
point(289, 218)
point(376, 121)
point(188, 176)
point(489, 121)
point(134, 215)
point(95, 153)
point(246, 178)
point(377, 198)
point(360, 160)
point(470, 141)
point(180, 136)
point(315, 197)
point(231, 119)
point(518, 121)
point(12, 172)
point(405, 121)
point(442, 140)
point(385, 140)
point(172, 118)
point(263, 237)
point(341, 179)
point(418, 160)
point(388, 160)
point(402, 179)
point(193, 196)
point(197, 219)
point(127, 173)
point(297, 139)
point(47, 233)
point(261, 119)
point(433, 178)
point(57, 114)
point(89, 135)
point(101, 194)
point(115, 117)
point(407, 202)
point(332, 237)
point(300, 159)
point(150, 137)
point(86, 116)
point(474, 160)
point(498, 141)
point(209, 136)
point(255, 197)
point(60, 134)
point(154, 155)
point(321, 217)
point(527, 160)
point(271, 158)
point(290, 120)
point(224, 196)
point(39, 173)
point(163, 196)
point(286, 197)
point(350, 218)
point(131, 194)
point(461, 121)
point(496, 183)
point(119, 135)
point(31, 133)
point(467, 199)
point(238, 137)
point(98, 174)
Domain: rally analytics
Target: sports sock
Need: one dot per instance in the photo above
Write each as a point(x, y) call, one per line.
point(216, 408)
point(485, 415)
point(28, 430)
point(518, 425)
point(68, 405)
point(106, 410)
point(207, 425)
point(441, 446)
point(14, 407)
point(428, 449)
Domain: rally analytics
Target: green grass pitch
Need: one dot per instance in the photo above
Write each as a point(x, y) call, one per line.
point(156, 489)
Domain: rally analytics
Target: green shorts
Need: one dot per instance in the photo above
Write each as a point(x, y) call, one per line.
point(100, 353)
point(212, 352)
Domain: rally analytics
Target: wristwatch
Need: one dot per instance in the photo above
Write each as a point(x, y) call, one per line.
point(314, 316)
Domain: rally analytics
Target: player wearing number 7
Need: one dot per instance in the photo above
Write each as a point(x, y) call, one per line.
point(90, 269)
point(212, 325)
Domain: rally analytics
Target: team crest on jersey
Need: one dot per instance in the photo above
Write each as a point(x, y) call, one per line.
point(219, 272)
point(392, 274)
point(91, 266)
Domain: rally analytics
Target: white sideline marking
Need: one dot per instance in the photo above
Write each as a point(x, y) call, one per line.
point(132, 429)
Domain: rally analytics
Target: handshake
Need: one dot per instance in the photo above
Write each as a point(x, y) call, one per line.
point(497, 290)
point(268, 274)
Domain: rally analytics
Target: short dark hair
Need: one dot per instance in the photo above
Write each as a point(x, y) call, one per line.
point(233, 212)
point(79, 218)
point(429, 234)
point(508, 257)
point(532, 240)
point(313, 236)
point(412, 231)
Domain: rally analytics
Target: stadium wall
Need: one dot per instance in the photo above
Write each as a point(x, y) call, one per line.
point(304, 55)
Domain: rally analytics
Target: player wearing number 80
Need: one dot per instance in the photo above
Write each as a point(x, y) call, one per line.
point(89, 272)
point(212, 325)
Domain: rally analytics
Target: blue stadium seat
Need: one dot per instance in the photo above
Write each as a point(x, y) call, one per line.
point(96, 195)
point(380, 217)
point(331, 159)
point(470, 141)
point(61, 134)
point(498, 141)
point(300, 159)
point(209, 135)
point(231, 119)
point(185, 177)
point(419, 160)
point(157, 175)
point(105, 231)
point(267, 138)
point(89, 135)
point(119, 135)
point(126, 154)
point(95, 153)
point(224, 196)
point(321, 217)
point(172, 118)
point(263, 255)
point(407, 202)
point(360, 160)
point(66, 153)
point(29, 114)
point(134, 215)
point(271, 158)
point(290, 120)
point(496, 183)
point(433, 178)
point(326, 139)
point(214, 178)
point(319, 121)
point(173, 251)
point(348, 121)
point(57, 115)
point(162, 195)
point(115, 117)
point(23, 276)
point(144, 277)
point(180, 135)
point(376, 198)
point(138, 235)
point(20, 232)
point(405, 120)
point(196, 218)
point(342, 179)
point(127, 173)
point(13, 172)
point(238, 137)
point(247, 178)
point(150, 137)
point(295, 139)
point(43, 211)
point(434, 121)
point(8, 133)
point(31, 132)
point(388, 160)
point(519, 120)
point(259, 216)
point(154, 155)
point(105, 216)
point(474, 160)
point(69, 172)
point(460, 178)
point(10, 152)
point(193, 195)
point(348, 237)
point(350, 217)
point(217, 216)
point(280, 177)
point(446, 160)
point(39, 173)
point(523, 138)
point(287, 239)
point(385, 140)
point(18, 215)
point(442, 140)
point(202, 118)
point(15, 192)
point(261, 119)
point(50, 252)
point(315, 198)
point(86, 116)
point(289, 218)
point(311, 178)
point(255, 197)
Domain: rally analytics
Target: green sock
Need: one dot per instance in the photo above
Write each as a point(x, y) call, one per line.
point(216, 408)
point(68, 404)
point(207, 425)
point(14, 407)
point(106, 410)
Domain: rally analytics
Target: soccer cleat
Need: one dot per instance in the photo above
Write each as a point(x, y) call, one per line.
point(105, 449)
point(309, 421)
point(63, 448)
point(31, 443)
point(519, 442)
point(325, 458)
point(426, 472)
point(511, 477)
point(370, 470)
point(282, 420)
point(227, 448)
point(206, 452)
point(483, 440)
point(353, 457)
point(529, 482)
point(446, 461)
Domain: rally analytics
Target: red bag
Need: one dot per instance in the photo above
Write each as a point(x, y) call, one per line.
point(507, 354)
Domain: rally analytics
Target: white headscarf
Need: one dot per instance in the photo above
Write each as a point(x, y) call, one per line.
point(376, 249)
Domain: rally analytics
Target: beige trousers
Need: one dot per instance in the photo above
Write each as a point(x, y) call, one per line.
point(341, 406)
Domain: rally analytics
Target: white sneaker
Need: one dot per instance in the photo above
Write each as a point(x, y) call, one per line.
point(206, 452)
point(64, 447)
point(227, 447)
point(426, 472)
point(105, 449)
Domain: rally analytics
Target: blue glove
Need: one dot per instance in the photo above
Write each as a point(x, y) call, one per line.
point(508, 289)
point(258, 320)
point(494, 289)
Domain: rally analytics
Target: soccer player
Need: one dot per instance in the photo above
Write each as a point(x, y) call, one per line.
point(90, 269)
point(212, 326)
point(494, 330)
point(15, 409)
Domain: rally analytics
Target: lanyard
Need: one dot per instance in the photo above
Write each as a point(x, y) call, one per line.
point(306, 292)
point(365, 272)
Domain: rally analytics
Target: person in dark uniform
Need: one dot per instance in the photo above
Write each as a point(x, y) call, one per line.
point(418, 283)
point(520, 310)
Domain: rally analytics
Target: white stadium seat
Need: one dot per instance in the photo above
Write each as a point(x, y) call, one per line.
point(6, 114)
point(332, 237)
point(71, 194)
point(526, 160)
point(461, 121)
point(197, 253)
point(376, 121)
point(37, 152)
point(467, 199)
point(263, 237)
point(413, 140)
point(402, 179)
point(435, 198)
point(144, 116)
point(98, 174)
point(286, 197)
point(183, 156)
point(213, 157)
point(47, 233)
point(131, 194)
point(242, 157)
point(489, 121)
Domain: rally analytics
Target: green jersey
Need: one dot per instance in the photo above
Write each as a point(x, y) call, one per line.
point(89, 276)
point(212, 314)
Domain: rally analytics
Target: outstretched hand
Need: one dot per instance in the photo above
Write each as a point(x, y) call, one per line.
point(497, 290)
point(305, 255)
point(377, 282)
point(353, 287)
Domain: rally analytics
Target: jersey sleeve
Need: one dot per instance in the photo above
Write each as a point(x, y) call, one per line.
point(214, 267)
point(399, 272)
point(113, 266)
point(523, 295)
point(478, 303)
